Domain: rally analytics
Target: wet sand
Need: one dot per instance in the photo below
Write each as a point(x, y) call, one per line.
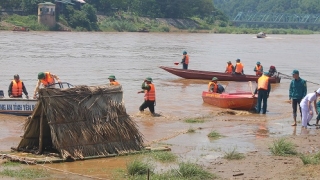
point(251, 134)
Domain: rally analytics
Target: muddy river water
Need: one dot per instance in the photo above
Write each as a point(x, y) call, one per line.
point(89, 58)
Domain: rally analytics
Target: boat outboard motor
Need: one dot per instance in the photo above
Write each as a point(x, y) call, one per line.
point(1, 94)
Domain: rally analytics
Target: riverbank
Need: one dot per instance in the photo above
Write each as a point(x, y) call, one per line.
point(239, 132)
point(126, 23)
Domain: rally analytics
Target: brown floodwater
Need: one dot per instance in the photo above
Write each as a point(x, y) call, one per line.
point(89, 58)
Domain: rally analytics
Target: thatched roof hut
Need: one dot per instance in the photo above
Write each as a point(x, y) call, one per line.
point(80, 122)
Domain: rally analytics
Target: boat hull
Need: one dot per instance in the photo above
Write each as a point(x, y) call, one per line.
point(237, 101)
point(207, 75)
point(17, 106)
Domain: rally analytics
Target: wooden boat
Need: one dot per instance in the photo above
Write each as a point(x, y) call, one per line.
point(208, 75)
point(261, 35)
point(22, 106)
point(237, 95)
point(17, 106)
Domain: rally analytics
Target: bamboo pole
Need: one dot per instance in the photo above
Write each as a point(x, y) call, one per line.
point(41, 133)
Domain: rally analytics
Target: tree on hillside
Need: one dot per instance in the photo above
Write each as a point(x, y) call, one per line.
point(30, 6)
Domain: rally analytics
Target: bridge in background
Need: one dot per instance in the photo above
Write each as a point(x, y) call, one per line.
point(277, 19)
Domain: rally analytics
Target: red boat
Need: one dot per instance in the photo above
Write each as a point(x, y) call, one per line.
point(208, 75)
point(237, 95)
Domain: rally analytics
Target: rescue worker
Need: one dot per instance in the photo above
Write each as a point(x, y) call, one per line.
point(185, 60)
point(112, 80)
point(272, 71)
point(258, 69)
point(297, 91)
point(238, 69)
point(229, 68)
point(213, 86)
point(263, 91)
point(47, 80)
point(307, 109)
point(149, 91)
point(16, 88)
point(318, 109)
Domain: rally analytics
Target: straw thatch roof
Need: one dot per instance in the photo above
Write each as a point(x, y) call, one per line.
point(81, 122)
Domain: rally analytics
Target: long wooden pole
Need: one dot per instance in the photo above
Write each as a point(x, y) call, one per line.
point(41, 133)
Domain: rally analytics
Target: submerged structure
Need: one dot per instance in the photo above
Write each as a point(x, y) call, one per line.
point(80, 122)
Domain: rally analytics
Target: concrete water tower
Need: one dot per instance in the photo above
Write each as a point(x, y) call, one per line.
point(46, 14)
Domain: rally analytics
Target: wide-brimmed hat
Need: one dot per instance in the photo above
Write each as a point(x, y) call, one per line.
point(318, 91)
point(149, 79)
point(214, 79)
point(112, 77)
point(295, 72)
point(41, 75)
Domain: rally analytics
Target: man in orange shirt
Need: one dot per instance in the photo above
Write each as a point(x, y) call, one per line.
point(16, 88)
point(263, 90)
point(112, 80)
point(149, 91)
point(238, 69)
point(229, 68)
point(185, 60)
point(258, 69)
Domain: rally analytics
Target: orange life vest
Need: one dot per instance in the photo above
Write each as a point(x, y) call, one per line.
point(239, 68)
point(263, 82)
point(215, 87)
point(16, 88)
point(151, 94)
point(229, 68)
point(258, 70)
point(186, 61)
point(48, 79)
point(114, 83)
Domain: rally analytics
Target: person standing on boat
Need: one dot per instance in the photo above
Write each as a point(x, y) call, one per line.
point(47, 80)
point(297, 91)
point(149, 91)
point(229, 68)
point(213, 86)
point(112, 80)
point(185, 60)
point(258, 69)
point(238, 69)
point(263, 91)
point(307, 109)
point(16, 88)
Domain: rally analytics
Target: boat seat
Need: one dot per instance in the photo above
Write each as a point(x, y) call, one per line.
point(1, 94)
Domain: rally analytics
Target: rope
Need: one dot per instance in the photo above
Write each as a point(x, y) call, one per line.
point(68, 172)
point(285, 76)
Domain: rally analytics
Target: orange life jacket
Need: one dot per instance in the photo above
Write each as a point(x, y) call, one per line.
point(229, 68)
point(239, 68)
point(151, 94)
point(186, 61)
point(16, 88)
point(258, 70)
point(215, 87)
point(48, 79)
point(263, 82)
point(114, 83)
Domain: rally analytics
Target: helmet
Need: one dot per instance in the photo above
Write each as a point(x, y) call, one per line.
point(41, 75)
point(215, 79)
point(184, 52)
point(112, 77)
point(16, 76)
point(258, 63)
point(149, 79)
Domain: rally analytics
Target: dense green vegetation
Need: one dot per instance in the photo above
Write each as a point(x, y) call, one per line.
point(233, 7)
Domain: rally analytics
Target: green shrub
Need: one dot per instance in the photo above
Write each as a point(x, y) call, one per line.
point(233, 155)
point(283, 147)
point(138, 167)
